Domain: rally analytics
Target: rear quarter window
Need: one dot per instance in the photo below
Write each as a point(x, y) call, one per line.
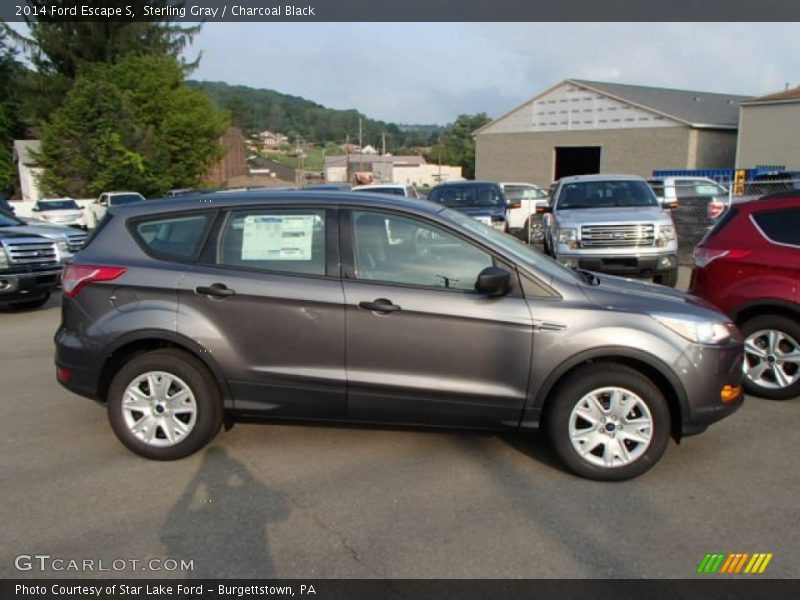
point(177, 237)
point(782, 226)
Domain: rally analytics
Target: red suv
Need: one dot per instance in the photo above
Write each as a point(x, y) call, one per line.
point(749, 266)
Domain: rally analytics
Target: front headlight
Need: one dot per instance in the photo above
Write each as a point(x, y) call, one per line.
point(666, 234)
point(695, 329)
point(3, 258)
point(63, 248)
point(568, 236)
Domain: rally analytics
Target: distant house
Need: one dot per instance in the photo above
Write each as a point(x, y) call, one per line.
point(233, 163)
point(368, 150)
point(29, 171)
point(769, 131)
point(580, 127)
point(409, 170)
point(271, 139)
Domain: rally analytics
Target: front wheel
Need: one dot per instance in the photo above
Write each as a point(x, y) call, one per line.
point(772, 357)
point(668, 278)
point(164, 405)
point(608, 422)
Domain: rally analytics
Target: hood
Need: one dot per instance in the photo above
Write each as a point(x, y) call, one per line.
point(630, 294)
point(620, 214)
point(62, 212)
point(481, 211)
point(11, 233)
point(48, 231)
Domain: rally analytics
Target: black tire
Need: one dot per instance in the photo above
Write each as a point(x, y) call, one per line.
point(208, 402)
point(593, 377)
point(788, 327)
point(30, 304)
point(668, 278)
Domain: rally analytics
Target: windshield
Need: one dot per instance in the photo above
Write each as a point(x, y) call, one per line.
point(67, 203)
point(121, 199)
point(605, 194)
point(7, 220)
point(518, 250)
point(465, 196)
point(524, 192)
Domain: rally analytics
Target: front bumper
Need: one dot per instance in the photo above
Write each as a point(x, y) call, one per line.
point(28, 285)
point(642, 265)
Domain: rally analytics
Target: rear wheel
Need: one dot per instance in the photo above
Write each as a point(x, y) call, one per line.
point(608, 422)
point(772, 357)
point(164, 405)
point(668, 278)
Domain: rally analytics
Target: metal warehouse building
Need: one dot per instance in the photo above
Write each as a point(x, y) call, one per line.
point(769, 131)
point(579, 127)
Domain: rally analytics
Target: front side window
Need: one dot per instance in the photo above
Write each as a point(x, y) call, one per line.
point(782, 226)
point(178, 237)
point(285, 241)
point(395, 249)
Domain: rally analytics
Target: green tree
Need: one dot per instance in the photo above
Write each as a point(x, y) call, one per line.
point(11, 126)
point(456, 146)
point(131, 125)
point(59, 50)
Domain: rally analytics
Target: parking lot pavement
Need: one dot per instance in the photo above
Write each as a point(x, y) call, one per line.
point(310, 501)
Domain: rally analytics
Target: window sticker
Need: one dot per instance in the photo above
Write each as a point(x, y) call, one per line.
point(277, 237)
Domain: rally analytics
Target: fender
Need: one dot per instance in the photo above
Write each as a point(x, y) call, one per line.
point(533, 409)
point(766, 303)
point(194, 348)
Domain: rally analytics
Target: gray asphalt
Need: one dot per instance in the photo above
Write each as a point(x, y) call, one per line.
point(309, 501)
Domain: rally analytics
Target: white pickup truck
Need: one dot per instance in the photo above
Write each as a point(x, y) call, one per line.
point(98, 208)
point(523, 220)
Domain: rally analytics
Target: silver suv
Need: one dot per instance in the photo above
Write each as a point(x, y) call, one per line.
point(612, 224)
point(180, 315)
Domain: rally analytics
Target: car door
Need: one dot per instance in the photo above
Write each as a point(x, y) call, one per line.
point(267, 302)
point(423, 346)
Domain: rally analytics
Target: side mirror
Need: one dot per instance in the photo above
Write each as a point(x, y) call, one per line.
point(540, 210)
point(493, 281)
point(512, 204)
point(36, 209)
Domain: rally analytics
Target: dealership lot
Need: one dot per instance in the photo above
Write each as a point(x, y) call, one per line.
point(308, 501)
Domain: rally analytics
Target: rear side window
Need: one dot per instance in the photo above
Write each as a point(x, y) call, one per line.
point(285, 241)
point(782, 226)
point(175, 236)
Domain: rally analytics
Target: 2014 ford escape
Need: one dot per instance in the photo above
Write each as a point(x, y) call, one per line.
point(332, 306)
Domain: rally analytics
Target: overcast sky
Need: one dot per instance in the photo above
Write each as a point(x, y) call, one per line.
point(431, 72)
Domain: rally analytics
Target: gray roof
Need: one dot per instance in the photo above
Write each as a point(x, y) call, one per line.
point(22, 151)
point(693, 108)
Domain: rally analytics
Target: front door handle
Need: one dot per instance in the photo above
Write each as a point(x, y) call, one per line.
point(219, 290)
point(381, 305)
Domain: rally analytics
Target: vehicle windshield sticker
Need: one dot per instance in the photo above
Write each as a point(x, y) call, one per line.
point(277, 237)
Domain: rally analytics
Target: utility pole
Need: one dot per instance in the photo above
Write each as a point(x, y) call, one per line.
point(383, 144)
point(347, 158)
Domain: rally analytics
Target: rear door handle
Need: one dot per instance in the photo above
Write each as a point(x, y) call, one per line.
point(219, 290)
point(381, 305)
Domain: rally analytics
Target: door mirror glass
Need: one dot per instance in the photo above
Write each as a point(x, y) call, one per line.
point(493, 281)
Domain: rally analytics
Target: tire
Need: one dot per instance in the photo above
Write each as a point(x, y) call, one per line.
point(570, 409)
point(148, 432)
point(668, 278)
point(31, 304)
point(783, 334)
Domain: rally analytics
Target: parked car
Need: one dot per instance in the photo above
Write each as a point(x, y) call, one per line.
point(749, 267)
point(6, 205)
point(97, 210)
point(68, 239)
point(524, 221)
point(444, 321)
point(611, 224)
point(29, 267)
point(396, 189)
point(60, 211)
point(482, 200)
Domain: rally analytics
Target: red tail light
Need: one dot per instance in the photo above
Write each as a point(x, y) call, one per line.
point(715, 209)
point(76, 277)
point(705, 256)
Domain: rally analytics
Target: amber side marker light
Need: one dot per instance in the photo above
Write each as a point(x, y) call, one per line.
point(730, 393)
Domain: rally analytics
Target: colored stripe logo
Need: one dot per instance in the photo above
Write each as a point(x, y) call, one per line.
point(734, 563)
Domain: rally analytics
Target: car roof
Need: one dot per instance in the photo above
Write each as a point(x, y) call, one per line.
point(502, 183)
point(123, 192)
point(466, 182)
point(244, 199)
point(401, 186)
point(771, 202)
point(600, 177)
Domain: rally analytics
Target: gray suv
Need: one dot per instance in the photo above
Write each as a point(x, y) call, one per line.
point(614, 224)
point(182, 315)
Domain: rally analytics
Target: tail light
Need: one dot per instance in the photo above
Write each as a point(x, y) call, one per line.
point(715, 209)
point(76, 277)
point(705, 256)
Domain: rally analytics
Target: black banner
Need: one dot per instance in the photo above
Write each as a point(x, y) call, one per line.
point(405, 589)
point(405, 11)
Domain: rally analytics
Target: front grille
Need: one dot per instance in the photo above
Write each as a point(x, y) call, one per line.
point(31, 252)
point(616, 236)
point(76, 240)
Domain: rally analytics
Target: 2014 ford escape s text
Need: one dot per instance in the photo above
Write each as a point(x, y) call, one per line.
point(180, 314)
